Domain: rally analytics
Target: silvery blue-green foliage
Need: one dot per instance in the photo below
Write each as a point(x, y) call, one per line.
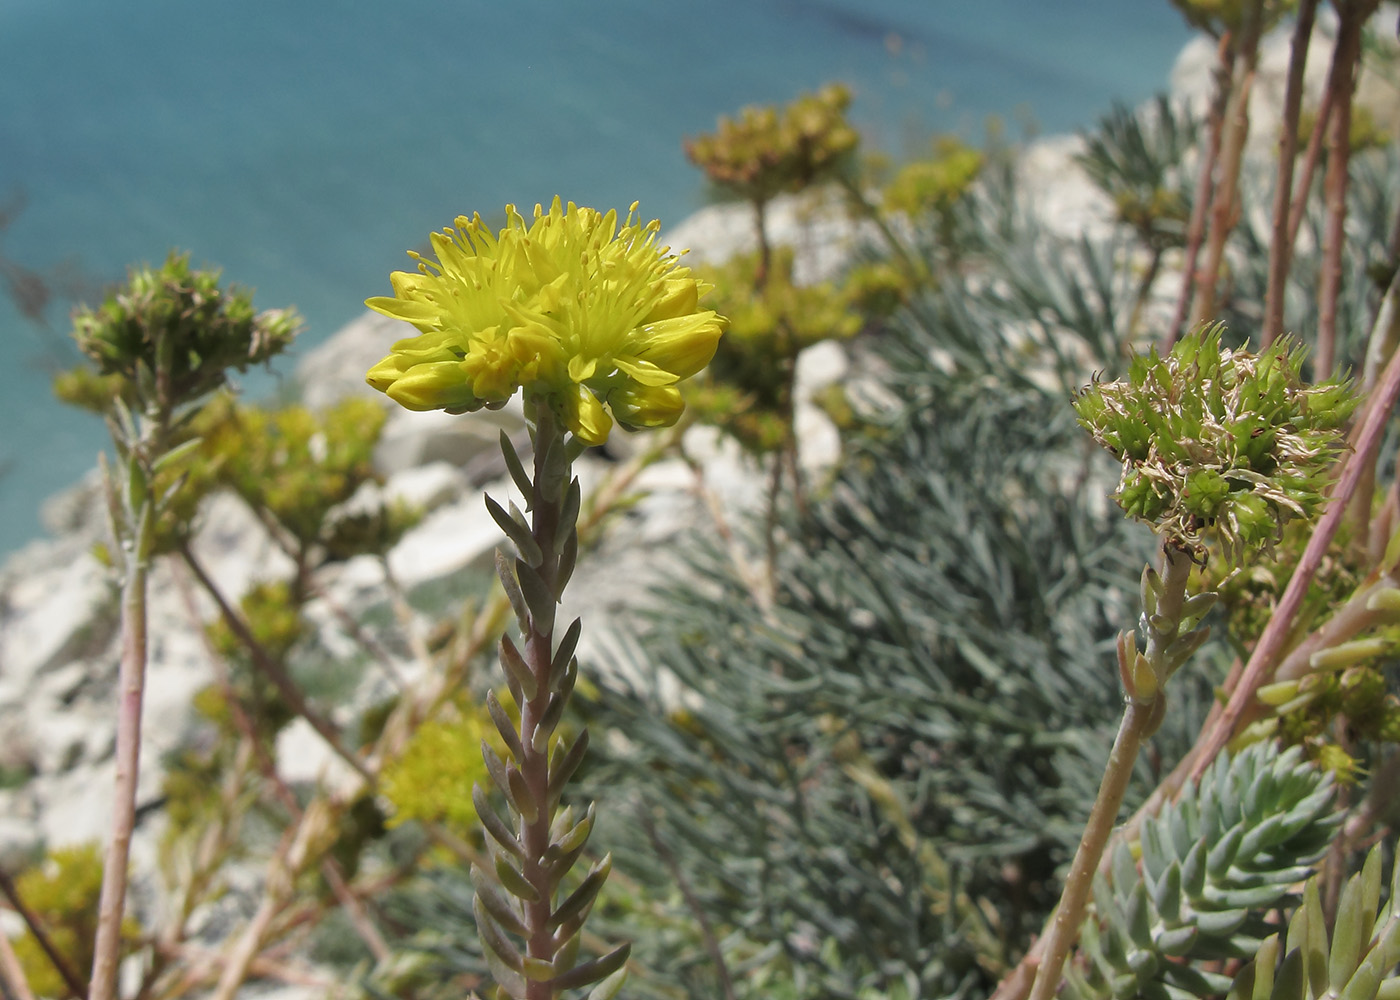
point(1212, 865)
point(868, 791)
point(1136, 157)
point(1358, 963)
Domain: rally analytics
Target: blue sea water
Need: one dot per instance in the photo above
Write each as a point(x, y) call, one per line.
point(302, 146)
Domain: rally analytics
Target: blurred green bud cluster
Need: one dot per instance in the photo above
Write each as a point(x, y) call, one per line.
point(62, 891)
point(1367, 132)
point(1250, 595)
point(1218, 16)
point(747, 390)
point(298, 465)
point(765, 151)
point(1219, 444)
point(937, 183)
point(273, 616)
point(1348, 683)
point(175, 332)
point(432, 780)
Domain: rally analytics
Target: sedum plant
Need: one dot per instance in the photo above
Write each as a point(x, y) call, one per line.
point(1356, 961)
point(591, 322)
point(1213, 443)
point(162, 345)
point(1212, 865)
point(766, 151)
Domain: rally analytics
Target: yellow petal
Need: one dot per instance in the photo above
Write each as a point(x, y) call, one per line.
point(683, 345)
point(679, 297)
point(440, 385)
point(647, 406)
point(581, 369)
point(386, 372)
point(585, 416)
point(643, 372)
point(423, 315)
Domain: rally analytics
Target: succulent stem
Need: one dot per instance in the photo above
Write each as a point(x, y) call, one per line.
point(1140, 719)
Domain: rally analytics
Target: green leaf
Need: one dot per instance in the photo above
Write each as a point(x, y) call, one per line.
point(565, 651)
point(609, 987)
point(538, 597)
point(494, 826)
point(517, 470)
point(517, 670)
point(518, 533)
point(568, 559)
point(504, 726)
point(494, 939)
point(591, 972)
point(568, 514)
point(564, 763)
point(513, 592)
point(580, 901)
point(513, 881)
point(495, 904)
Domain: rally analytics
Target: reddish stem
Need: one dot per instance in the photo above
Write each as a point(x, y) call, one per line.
point(1195, 231)
point(1224, 204)
point(1281, 249)
point(1341, 83)
point(1271, 643)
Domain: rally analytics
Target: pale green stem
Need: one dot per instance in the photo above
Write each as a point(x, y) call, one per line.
point(131, 685)
point(1139, 721)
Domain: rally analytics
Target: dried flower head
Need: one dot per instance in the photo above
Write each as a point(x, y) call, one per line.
point(176, 331)
point(764, 151)
point(581, 313)
point(1219, 443)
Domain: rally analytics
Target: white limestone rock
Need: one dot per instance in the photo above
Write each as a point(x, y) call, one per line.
point(427, 487)
point(451, 539)
point(1065, 200)
point(55, 600)
point(814, 223)
point(235, 548)
point(304, 757)
point(471, 442)
point(335, 368)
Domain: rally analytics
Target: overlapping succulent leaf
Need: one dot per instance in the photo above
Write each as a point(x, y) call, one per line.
point(1211, 866)
point(1358, 963)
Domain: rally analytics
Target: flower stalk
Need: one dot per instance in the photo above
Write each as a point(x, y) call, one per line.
point(593, 323)
point(131, 687)
point(529, 862)
point(1166, 608)
point(164, 343)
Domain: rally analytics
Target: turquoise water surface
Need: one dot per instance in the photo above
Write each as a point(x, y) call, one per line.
point(303, 146)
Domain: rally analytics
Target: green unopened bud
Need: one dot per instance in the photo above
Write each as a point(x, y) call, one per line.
point(1362, 690)
point(1253, 519)
point(1385, 600)
point(1146, 683)
point(1206, 492)
point(1218, 442)
point(1278, 693)
point(1348, 653)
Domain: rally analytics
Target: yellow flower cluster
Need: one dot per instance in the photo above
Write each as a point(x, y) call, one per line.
point(585, 316)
